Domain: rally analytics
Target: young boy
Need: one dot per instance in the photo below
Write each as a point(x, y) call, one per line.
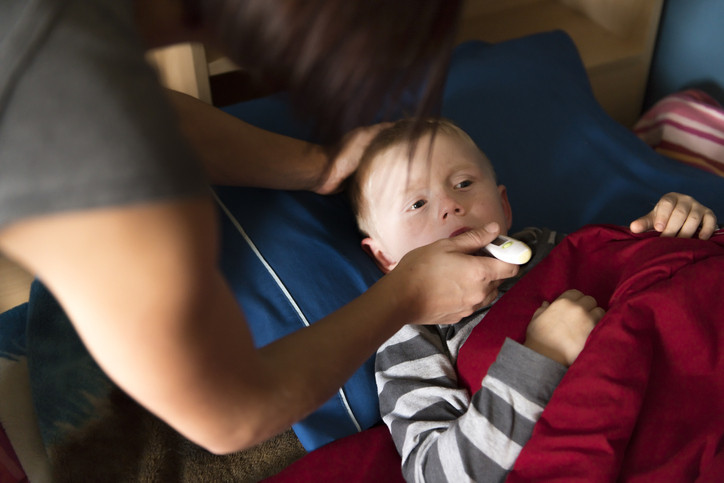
point(443, 190)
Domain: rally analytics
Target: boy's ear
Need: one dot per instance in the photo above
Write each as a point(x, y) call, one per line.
point(373, 249)
point(507, 210)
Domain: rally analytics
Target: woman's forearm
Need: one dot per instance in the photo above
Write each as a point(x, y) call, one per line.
point(237, 153)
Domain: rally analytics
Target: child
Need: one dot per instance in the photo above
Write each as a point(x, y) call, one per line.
point(404, 202)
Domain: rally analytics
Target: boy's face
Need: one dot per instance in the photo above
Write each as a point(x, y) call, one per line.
point(435, 197)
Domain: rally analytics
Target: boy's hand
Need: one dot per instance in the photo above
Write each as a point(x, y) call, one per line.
point(559, 330)
point(677, 215)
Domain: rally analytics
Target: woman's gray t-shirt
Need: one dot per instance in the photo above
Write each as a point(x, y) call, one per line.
point(83, 120)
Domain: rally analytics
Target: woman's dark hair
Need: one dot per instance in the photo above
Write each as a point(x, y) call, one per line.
point(342, 61)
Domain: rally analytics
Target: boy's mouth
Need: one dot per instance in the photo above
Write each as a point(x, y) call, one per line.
point(460, 231)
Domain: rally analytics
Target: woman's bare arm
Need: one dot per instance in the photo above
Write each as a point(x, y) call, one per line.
point(237, 153)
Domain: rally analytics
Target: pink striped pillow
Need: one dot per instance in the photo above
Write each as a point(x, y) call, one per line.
point(687, 126)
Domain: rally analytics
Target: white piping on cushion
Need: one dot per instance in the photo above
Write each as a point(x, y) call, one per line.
point(284, 290)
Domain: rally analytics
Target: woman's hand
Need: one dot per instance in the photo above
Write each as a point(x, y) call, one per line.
point(347, 158)
point(443, 282)
point(559, 330)
point(677, 215)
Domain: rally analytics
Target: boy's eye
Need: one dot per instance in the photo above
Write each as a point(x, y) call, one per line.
point(418, 204)
point(464, 184)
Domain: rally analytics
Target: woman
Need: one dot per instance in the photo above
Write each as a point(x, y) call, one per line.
point(102, 198)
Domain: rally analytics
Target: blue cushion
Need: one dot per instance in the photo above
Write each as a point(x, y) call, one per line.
point(12, 336)
point(528, 105)
point(291, 259)
point(565, 162)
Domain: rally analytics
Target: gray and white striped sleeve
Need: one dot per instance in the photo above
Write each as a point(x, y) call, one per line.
point(440, 432)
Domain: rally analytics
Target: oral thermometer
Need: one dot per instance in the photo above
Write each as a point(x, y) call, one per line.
point(509, 250)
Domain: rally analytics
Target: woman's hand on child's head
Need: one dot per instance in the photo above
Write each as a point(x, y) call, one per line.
point(677, 215)
point(347, 157)
point(446, 282)
point(559, 330)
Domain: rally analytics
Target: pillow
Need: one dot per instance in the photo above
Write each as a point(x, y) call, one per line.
point(687, 126)
point(293, 257)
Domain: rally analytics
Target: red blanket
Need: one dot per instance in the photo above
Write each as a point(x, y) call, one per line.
point(645, 399)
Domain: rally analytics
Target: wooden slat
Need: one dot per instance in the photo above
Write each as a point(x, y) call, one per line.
point(14, 284)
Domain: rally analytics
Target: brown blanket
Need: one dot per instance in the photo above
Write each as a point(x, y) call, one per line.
point(126, 443)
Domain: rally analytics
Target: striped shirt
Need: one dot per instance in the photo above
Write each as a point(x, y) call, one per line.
point(441, 432)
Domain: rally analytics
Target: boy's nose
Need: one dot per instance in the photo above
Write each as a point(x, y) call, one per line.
point(451, 207)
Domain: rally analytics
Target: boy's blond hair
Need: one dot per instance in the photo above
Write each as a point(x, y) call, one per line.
point(405, 131)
